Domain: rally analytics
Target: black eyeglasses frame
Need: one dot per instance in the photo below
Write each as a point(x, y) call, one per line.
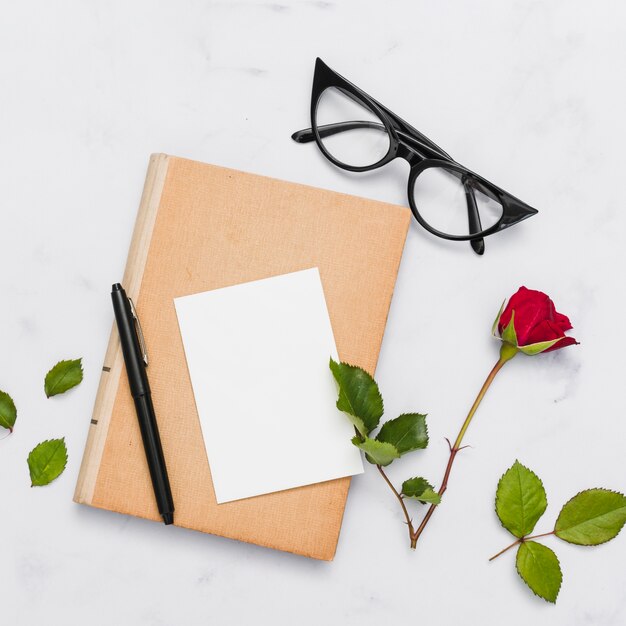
point(419, 151)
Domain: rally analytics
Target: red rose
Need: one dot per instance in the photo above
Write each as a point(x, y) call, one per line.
point(532, 324)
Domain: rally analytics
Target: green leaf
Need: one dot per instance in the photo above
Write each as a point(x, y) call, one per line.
point(8, 412)
point(47, 461)
point(420, 489)
point(520, 500)
point(494, 326)
point(536, 348)
point(430, 496)
point(508, 333)
point(359, 396)
point(539, 569)
point(377, 452)
point(63, 376)
point(407, 432)
point(591, 517)
point(413, 487)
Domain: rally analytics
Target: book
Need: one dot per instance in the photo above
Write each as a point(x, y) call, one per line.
point(201, 227)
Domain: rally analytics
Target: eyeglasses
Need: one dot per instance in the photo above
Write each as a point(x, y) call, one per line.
point(357, 133)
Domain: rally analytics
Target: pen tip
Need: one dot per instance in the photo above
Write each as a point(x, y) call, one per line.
point(168, 518)
point(116, 287)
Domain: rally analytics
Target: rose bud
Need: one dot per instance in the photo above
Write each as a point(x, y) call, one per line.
point(530, 324)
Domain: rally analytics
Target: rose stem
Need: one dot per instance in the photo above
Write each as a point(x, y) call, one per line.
point(507, 352)
point(400, 499)
point(495, 556)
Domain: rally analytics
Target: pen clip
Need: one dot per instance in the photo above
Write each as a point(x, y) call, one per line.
point(142, 341)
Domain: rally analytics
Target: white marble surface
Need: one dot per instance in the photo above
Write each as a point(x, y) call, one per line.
point(530, 94)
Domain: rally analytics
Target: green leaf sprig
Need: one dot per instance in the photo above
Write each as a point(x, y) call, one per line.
point(360, 399)
point(591, 517)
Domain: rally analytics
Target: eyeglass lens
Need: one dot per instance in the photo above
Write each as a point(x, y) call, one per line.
point(440, 196)
point(364, 140)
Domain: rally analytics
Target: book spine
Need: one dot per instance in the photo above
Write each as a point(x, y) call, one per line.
point(113, 360)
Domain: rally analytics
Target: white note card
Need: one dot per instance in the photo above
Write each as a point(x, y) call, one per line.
point(258, 357)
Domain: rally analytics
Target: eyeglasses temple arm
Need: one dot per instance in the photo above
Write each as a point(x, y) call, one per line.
point(406, 129)
point(327, 130)
point(473, 216)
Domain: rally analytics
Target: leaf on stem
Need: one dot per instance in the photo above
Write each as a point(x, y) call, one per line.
point(591, 517)
point(420, 489)
point(359, 396)
point(539, 568)
point(508, 333)
point(377, 452)
point(47, 461)
point(494, 326)
point(538, 348)
point(407, 432)
point(8, 412)
point(520, 500)
point(63, 376)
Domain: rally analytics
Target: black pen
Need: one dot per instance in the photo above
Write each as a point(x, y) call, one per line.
point(136, 360)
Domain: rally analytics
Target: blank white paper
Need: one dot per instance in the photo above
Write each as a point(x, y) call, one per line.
point(258, 357)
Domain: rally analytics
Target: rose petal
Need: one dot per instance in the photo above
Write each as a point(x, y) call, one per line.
point(515, 301)
point(562, 321)
point(544, 331)
point(566, 341)
point(531, 309)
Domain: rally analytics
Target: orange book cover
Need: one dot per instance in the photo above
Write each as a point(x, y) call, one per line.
point(202, 227)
